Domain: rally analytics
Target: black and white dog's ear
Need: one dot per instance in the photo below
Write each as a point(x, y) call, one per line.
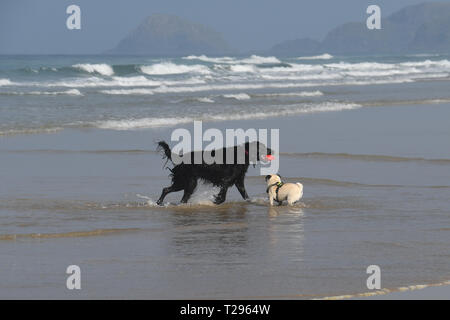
point(268, 177)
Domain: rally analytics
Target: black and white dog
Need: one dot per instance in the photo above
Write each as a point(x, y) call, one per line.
point(223, 174)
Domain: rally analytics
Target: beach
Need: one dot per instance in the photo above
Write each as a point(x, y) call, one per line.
point(81, 175)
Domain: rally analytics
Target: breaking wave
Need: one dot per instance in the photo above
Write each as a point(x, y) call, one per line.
point(103, 69)
point(5, 82)
point(254, 59)
point(243, 68)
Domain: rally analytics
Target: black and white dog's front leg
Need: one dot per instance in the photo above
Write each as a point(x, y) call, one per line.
point(241, 188)
point(166, 191)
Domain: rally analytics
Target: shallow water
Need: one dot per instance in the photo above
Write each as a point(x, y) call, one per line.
point(376, 179)
point(65, 204)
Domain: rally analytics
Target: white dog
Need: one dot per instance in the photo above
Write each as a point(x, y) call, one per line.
point(280, 191)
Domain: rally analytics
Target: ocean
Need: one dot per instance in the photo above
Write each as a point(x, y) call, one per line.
point(369, 138)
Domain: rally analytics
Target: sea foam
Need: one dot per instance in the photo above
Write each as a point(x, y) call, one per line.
point(316, 93)
point(253, 59)
point(324, 56)
point(5, 82)
point(142, 123)
point(71, 92)
point(166, 68)
point(209, 59)
point(237, 96)
point(147, 123)
point(243, 68)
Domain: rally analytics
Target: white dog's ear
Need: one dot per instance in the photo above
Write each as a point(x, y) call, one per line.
point(268, 177)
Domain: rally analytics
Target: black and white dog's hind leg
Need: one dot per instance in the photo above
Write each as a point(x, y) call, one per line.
point(220, 197)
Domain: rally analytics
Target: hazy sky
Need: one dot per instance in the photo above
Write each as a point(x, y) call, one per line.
point(39, 26)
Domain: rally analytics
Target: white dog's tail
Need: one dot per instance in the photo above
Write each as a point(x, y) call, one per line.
point(300, 186)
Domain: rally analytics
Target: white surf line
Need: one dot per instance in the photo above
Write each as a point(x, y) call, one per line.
point(29, 131)
point(146, 123)
point(350, 296)
point(228, 87)
point(385, 291)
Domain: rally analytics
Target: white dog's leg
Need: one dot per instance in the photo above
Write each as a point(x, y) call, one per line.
point(270, 200)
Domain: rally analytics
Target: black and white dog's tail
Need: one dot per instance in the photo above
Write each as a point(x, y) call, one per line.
point(163, 146)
